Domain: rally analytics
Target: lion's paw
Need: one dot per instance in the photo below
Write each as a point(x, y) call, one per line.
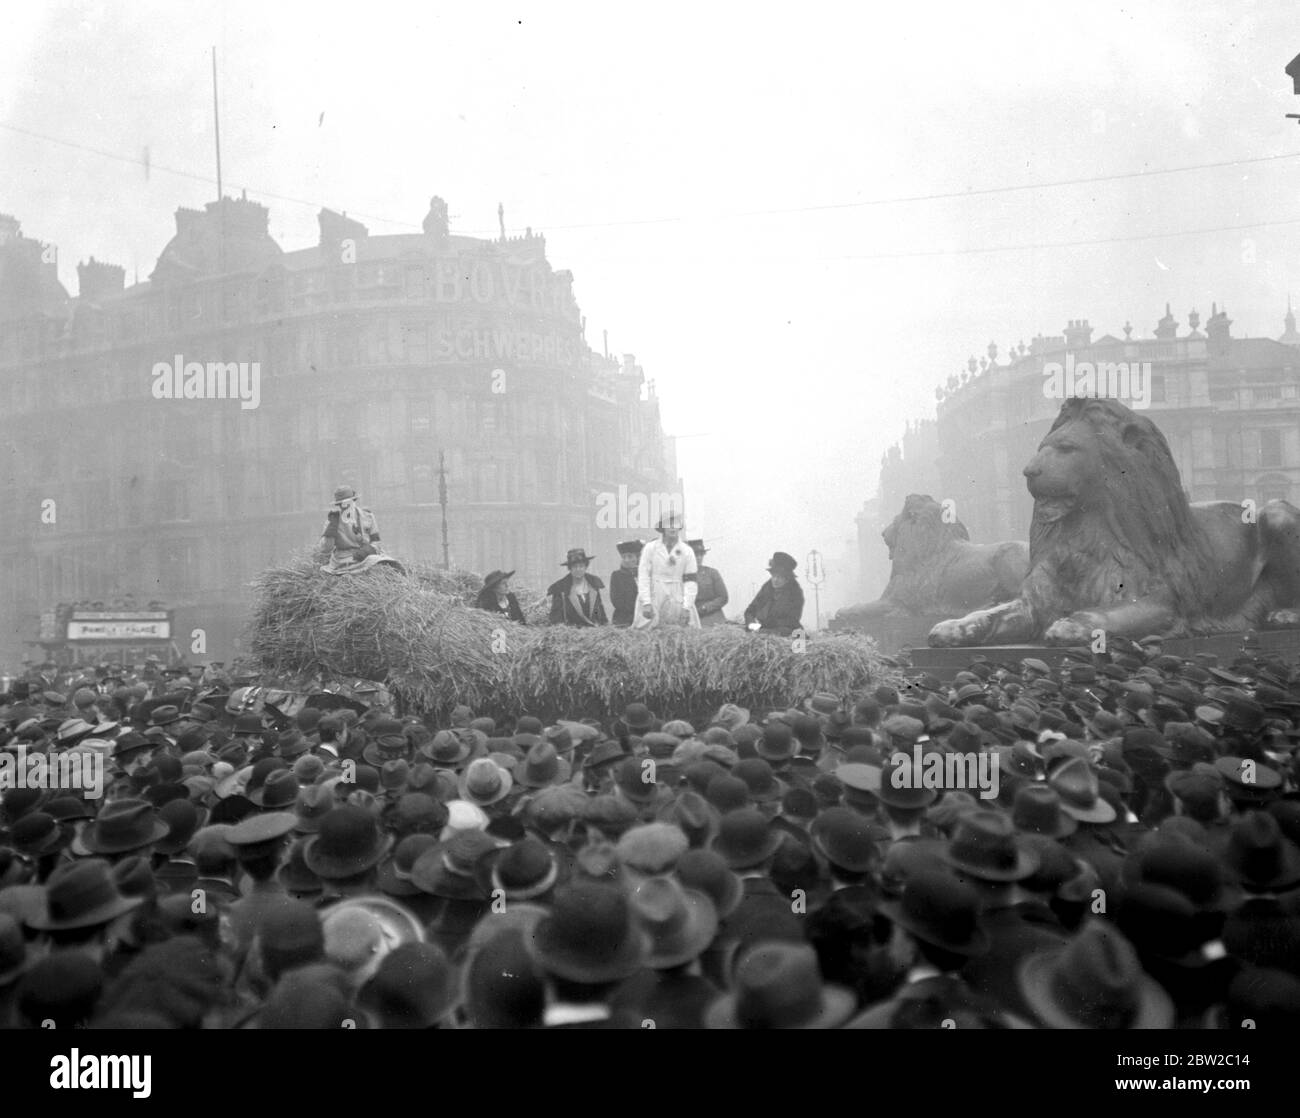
point(956, 633)
point(1069, 631)
point(1283, 619)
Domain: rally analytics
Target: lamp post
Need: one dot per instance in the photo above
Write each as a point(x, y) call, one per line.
point(816, 576)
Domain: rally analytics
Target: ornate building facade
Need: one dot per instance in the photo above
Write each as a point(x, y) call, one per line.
point(379, 358)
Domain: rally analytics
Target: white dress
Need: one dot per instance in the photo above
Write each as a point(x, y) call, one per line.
point(660, 582)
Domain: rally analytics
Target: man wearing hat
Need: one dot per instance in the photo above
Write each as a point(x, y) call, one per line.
point(622, 583)
point(711, 592)
point(681, 923)
point(778, 606)
point(496, 597)
point(987, 854)
point(937, 930)
point(259, 843)
point(586, 946)
point(665, 580)
point(575, 599)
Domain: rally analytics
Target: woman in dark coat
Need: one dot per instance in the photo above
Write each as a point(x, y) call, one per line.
point(575, 599)
point(495, 597)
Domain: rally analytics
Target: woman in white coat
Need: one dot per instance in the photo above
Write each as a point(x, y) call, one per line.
point(665, 579)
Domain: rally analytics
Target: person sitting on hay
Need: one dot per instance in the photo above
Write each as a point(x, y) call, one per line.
point(351, 536)
point(495, 597)
point(778, 606)
point(575, 599)
point(665, 579)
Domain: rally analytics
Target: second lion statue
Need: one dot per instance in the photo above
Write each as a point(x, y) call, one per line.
point(1116, 546)
point(936, 569)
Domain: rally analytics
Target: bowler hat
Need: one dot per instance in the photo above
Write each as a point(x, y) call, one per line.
point(38, 833)
point(745, 839)
point(844, 837)
point(349, 843)
point(524, 870)
point(589, 935)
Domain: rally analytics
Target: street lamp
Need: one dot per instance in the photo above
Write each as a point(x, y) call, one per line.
point(816, 576)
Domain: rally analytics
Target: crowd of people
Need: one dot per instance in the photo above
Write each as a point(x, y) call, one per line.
point(1137, 867)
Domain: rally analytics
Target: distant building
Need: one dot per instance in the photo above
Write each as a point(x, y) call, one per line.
point(1229, 408)
point(376, 353)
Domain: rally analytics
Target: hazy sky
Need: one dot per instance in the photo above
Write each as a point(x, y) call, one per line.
point(720, 178)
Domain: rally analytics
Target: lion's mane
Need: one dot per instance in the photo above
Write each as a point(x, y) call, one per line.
point(1130, 536)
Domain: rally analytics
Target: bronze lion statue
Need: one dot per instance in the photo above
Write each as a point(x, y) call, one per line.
point(937, 570)
point(1116, 546)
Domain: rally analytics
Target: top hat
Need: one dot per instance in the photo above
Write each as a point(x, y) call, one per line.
point(577, 555)
point(782, 561)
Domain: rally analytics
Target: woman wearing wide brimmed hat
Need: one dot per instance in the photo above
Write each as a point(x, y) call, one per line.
point(575, 599)
point(496, 597)
point(666, 579)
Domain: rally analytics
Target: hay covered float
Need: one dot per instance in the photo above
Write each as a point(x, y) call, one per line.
point(418, 631)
